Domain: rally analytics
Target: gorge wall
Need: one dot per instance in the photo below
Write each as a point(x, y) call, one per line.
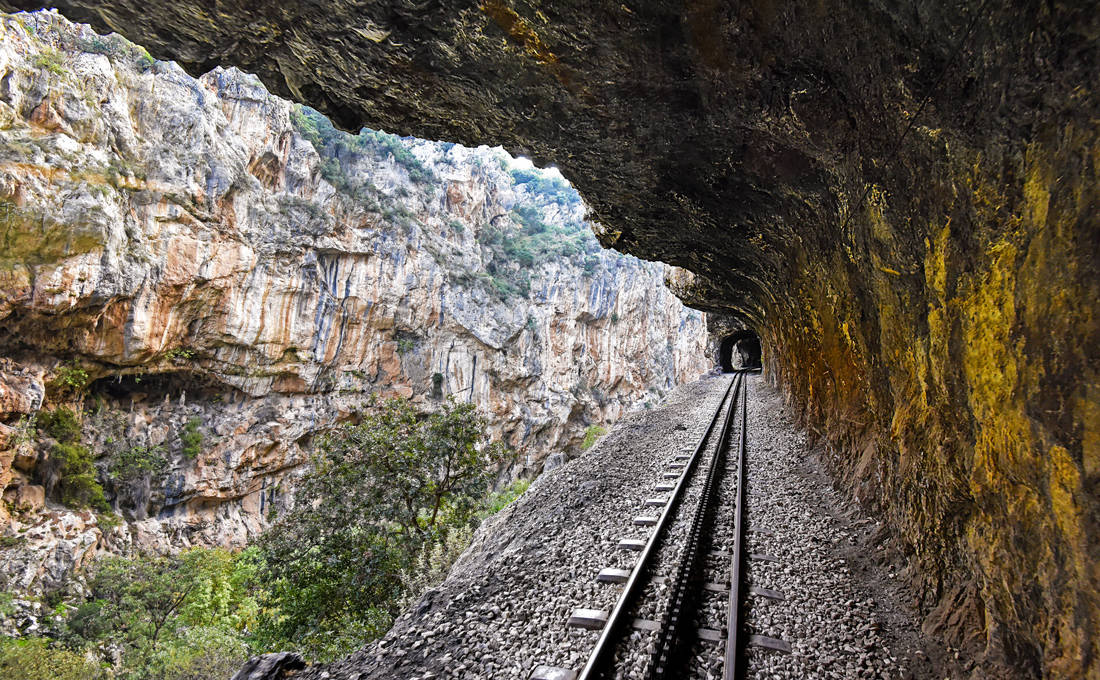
point(901, 197)
point(196, 255)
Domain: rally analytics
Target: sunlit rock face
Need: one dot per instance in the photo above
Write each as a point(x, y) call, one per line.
point(184, 244)
point(900, 197)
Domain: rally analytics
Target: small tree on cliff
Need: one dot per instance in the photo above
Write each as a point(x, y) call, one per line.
point(379, 493)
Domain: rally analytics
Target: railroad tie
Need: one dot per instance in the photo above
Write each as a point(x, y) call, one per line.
point(552, 673)
point(613, 575)
point(774, 644)
point(592, 619)
point(767, 593)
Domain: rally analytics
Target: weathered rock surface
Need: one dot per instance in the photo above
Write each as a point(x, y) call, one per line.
point(901, 197)
point(180, 242)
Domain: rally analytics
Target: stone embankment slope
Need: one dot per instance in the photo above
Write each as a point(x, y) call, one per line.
point(504, 606)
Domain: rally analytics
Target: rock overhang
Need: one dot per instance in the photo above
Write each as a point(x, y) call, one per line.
point(898, 196)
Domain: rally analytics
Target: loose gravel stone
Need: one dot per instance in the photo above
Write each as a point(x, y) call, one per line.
point(503, 609)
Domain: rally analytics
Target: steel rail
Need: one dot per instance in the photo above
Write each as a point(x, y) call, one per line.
point(677, 630)
point(733, 669)
point(618, 616)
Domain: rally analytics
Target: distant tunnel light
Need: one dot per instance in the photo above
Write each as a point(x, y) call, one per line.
point(739, 350)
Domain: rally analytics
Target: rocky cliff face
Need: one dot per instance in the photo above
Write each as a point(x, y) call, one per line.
point(899, 196)
point(195, 260)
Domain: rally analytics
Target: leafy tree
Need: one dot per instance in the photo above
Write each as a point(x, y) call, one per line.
point(191, 439)
point(77, 477)
point(379, 492)
point(137, 598)
point(177, 617)
point(37, 659)
point(61, 424)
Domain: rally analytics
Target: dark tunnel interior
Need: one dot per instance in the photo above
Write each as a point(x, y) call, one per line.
point(740, 350)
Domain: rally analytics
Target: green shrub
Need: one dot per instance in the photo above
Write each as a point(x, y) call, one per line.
point(179, 354)
point(379, 494)
point(191, 439)
point(12, 541)
point(136, 462)
point(7, 605)
point(61, 424)
point(500, 500)
point(201, 653)
point(50, 60)
point(108, 521)
point(525, 241)
point(591, 436)
point(180, 617)
point(69, 379)
point(551, 187)
point(26, 430)
point(36, 659)
point(334, 145)
point(434, 562)
point(77, 478)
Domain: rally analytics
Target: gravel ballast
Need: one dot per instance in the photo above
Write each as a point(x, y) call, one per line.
point(503, 608)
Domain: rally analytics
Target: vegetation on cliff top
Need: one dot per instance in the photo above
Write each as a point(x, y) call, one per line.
point(517, 242)
point(335, 146)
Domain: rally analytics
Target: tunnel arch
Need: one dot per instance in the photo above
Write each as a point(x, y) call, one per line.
point(740, 350)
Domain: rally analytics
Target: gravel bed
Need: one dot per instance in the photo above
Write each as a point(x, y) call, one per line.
point(503, 608)
point(632, 659)
point(831, 624)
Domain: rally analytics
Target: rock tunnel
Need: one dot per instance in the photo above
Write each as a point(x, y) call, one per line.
point(901, 197)
point(739, 350)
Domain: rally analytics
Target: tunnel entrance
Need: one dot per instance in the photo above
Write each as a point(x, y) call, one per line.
point(739, 350)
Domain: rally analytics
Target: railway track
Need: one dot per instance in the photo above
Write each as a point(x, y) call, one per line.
point(679, 610)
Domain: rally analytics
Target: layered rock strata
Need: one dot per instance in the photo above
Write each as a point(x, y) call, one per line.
point(201, 269)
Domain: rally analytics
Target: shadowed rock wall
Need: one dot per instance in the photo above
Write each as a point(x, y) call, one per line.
point(900, 197)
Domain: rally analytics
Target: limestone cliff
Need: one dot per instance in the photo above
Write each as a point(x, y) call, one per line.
point(899, 196)
point(203, 269)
